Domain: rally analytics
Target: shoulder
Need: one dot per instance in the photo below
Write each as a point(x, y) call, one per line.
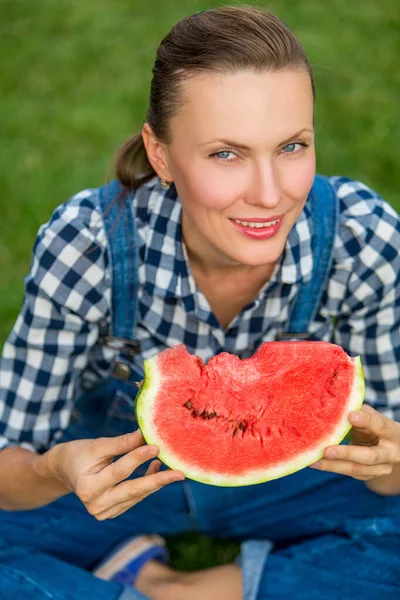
point(76, 229)
point(69, 262)
point(79, 216)
point(369, 228)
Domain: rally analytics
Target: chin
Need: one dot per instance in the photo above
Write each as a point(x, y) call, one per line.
point(266, 254)
point(257, 260)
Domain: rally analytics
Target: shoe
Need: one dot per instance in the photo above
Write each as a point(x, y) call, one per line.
point(124, 562)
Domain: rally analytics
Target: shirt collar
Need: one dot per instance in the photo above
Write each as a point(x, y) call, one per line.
point(164, 269)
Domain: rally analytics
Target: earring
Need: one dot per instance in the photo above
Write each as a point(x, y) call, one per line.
point(165, 184)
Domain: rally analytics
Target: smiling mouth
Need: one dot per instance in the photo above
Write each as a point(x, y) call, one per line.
point(257, 224)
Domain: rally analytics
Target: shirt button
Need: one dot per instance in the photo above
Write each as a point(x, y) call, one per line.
point(121, 371)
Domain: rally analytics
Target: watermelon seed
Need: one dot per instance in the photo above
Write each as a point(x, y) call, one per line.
point(234, 432)
point(188, 404)
point(195, 413)
point(204, 414)
point(242, 426)
point(211, 415)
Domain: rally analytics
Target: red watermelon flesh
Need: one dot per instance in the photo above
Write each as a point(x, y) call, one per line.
point(240, 421)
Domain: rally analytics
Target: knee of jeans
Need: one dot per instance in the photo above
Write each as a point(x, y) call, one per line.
point(14, 584)
point(377, 526)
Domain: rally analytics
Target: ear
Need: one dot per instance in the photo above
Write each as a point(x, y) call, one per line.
point(157, 153)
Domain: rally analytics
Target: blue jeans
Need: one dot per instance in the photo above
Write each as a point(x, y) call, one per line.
point(311, 536)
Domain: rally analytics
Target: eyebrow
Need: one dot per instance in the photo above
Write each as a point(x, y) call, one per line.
point(243, 147)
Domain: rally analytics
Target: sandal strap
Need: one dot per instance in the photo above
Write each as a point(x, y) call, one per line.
point(129, 574)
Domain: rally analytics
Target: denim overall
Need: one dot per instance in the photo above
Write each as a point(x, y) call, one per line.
point(309, 536)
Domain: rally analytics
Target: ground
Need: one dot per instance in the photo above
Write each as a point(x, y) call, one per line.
point(74, 84)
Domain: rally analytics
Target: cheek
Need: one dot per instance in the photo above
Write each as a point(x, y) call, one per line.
point(208, 189)
point(297, 177)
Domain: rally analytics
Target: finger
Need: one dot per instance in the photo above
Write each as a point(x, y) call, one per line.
point(118, 509)
point(118, 445)
point(370, 421)
point(114, 511)
point(355, 470)
point(130, 493)
point(363, 455)
point(126, 465)
point(135, 490)
point(154, 467)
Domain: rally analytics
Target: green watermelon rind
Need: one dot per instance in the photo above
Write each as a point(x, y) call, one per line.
point(144, 412)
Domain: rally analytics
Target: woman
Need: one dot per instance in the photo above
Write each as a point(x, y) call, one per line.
point(210, 238)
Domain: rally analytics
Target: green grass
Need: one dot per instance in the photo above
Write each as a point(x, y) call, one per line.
point(74, 84)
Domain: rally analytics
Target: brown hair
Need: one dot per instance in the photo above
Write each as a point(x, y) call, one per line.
point(222, 40)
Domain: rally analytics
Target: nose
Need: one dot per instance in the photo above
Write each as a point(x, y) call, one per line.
point(264, 189)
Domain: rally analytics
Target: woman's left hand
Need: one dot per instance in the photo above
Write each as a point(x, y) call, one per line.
point(374, 449)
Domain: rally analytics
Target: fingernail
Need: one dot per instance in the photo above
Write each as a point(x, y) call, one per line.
point(316, 465)
point(331, 453)
point(153, 450)
point(356, 417)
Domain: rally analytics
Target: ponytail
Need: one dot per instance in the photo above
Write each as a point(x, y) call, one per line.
point(132, 166)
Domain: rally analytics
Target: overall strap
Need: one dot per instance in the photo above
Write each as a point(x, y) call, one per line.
point(324, 211)
point(119, 222)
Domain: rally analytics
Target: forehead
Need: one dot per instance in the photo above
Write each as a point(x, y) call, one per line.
point(246, 104)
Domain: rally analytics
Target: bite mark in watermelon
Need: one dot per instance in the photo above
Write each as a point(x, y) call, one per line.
point(235, 422)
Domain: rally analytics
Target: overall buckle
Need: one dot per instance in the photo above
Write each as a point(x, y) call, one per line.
point(122, 344)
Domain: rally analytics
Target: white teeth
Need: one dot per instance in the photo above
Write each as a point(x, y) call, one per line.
point(256, 225)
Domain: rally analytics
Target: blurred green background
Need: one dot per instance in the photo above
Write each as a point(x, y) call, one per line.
point(74, 84)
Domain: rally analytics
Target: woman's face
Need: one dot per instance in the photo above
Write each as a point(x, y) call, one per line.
point(242, 158)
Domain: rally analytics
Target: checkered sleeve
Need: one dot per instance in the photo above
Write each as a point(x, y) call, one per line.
point(369, 325)
point(66, 298)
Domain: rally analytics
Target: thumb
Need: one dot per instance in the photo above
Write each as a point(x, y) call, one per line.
point(121, 444)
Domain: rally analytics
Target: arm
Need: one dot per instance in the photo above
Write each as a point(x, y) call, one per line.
point(382, 379)
point(368, 325)
point(35, 484)
point(372, 331)
point(65, 300)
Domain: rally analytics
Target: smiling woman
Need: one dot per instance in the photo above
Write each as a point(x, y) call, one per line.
point(233, 193)
point(219, 235)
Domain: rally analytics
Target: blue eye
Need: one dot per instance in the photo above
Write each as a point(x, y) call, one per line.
point(289, 148)
point(224, 154)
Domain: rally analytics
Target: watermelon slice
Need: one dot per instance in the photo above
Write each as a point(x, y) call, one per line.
point(235, 422)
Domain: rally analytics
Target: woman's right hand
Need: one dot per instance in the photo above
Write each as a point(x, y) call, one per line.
point(86, 467)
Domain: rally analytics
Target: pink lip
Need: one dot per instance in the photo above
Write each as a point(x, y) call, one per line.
point(258, 219)
point(259, 234)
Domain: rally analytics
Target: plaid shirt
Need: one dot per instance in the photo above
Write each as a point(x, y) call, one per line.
point(53, 351)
